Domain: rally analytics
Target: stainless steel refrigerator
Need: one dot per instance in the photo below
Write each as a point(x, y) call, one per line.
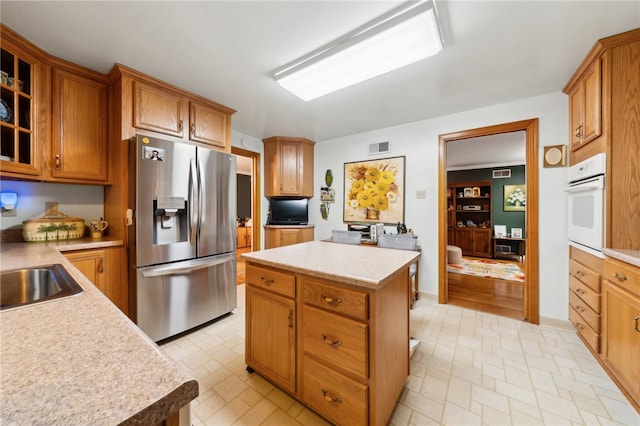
point(182, 237)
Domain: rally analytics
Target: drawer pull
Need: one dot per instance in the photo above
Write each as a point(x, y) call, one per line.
point(330, 398)
point(637, 320)
point(580, 273)
point(620, 277)
point(267, 281)
point(330, 300)
point(331, 342)
point(580, 309)
point(579, 326)
point(580, 291)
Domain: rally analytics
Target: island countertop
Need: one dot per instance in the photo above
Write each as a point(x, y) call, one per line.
point(79, 359)
point(359, 265)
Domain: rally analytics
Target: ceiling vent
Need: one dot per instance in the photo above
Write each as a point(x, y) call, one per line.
point(502, 174)
point(378, 148)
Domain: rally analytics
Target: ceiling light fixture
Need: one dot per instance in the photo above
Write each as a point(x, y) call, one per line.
point(398, 38)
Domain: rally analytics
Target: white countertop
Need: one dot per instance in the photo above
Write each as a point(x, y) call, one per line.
point(360, 265)
point(629, 256)
point(79, 359)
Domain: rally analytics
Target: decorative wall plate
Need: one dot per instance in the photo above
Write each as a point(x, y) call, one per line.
point(6, 114)
point(555, 156)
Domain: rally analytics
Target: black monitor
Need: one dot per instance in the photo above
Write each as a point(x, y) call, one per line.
point(288, 211)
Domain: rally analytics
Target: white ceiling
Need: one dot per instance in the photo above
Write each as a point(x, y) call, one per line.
point(225, 50)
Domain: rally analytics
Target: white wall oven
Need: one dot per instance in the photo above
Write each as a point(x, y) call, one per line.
point(586, 204)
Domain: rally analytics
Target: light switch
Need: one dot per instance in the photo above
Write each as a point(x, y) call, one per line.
point(421, 194)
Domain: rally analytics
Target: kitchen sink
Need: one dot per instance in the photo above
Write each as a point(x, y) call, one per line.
point(21, 287)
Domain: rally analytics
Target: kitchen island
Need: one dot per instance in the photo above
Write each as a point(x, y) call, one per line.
point(79, 359)
point(329, 324)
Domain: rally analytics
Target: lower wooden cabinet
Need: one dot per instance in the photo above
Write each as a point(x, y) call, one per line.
point(621, 323)
point(585, 272)
point(270, 325)
point(278, 236)
point(474, 241)
point(244, 236)
point(103, 267)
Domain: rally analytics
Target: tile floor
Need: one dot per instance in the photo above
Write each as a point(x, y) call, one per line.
point(471, 368)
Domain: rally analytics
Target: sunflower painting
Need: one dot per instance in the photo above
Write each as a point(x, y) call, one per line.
point(374, 191)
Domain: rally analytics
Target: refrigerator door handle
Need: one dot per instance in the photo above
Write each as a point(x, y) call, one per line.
point(194, 201)
point(182, 268)
point(201, 195)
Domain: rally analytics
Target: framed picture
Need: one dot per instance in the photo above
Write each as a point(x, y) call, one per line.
point(515, 198)
point(468, 192)
point(500, 230)
point(516, 232)
point(374, 191)
point(327, 195)
point(475, 192)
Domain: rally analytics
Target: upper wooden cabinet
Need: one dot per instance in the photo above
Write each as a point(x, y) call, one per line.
point(21, 113)
point(585, 105)
point(288, 167)
point(161, 108)
point(79, 140)
point(611, 125)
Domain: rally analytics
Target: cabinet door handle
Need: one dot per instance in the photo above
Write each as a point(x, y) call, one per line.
point(267, 281)
point(636, 320)
point(57, 162)
point(101, 265)
point(180, 125)
point(290, 318)
point(193, 129)
point(332, 399)
point(330, 300)
point(331, 342)
point(578, 132)
point(620, 277)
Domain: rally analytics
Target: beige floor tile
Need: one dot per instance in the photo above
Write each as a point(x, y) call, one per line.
point(471, 368)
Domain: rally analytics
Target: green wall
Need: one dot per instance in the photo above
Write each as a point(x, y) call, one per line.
point(498, 215)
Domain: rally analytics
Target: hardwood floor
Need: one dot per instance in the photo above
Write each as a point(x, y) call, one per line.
point(496, 296)
point(240, 264)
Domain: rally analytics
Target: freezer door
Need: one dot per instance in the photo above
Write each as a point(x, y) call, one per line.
point(218, 202)
point(165, 200)
point(177, 297)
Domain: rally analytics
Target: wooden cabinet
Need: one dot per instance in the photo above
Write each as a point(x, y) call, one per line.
point(244, 236)
point(22, 93)
point(288, 164)
point(79, 141)
point(585, 272)
point(585, 107)
point(621, 326)
point(159, 108)
point(103, 267)
point(349, 362)
point(271, 325)
point(469, 217)
point(278, 236)
point(474, 241)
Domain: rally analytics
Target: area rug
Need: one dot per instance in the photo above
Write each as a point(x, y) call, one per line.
point(488, 268)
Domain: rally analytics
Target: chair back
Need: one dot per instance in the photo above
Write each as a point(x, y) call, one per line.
point(398, 241)
point(346, 237)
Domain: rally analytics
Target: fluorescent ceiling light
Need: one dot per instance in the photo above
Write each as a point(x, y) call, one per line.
point(401, 37)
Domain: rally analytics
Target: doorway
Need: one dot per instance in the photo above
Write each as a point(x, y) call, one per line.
point(248, 197)
point(531, 283)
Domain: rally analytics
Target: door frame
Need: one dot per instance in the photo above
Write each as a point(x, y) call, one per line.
point(255, 194)
point(531, 308)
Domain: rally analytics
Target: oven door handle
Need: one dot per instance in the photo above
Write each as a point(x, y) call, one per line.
point(582, 188)
point(183, 268)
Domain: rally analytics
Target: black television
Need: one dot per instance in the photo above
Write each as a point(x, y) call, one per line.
point(288, 211)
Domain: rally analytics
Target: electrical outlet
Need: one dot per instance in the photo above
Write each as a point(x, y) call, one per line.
point(9, 213)
point(421, 194)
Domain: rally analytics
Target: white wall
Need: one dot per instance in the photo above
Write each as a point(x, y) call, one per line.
point(85, 201)
point(418, 141)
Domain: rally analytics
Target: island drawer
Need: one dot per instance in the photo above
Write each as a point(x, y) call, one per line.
point(338, 398)
point(585, 293)
point(271, 279)
point(335, 299)
point(338, 341)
